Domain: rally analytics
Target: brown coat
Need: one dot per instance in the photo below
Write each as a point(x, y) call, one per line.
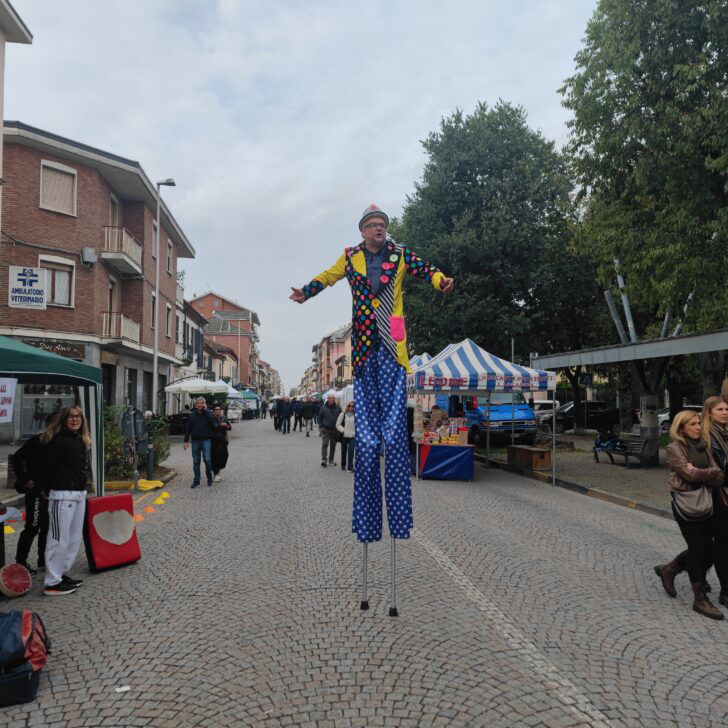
point(682, 478)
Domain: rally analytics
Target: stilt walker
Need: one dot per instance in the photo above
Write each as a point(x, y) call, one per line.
point(375, 269)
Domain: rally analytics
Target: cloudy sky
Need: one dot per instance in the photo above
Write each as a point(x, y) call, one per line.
point(280, 121)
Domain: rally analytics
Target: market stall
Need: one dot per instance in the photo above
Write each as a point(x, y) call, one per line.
point(466, 368)
point(31, 367)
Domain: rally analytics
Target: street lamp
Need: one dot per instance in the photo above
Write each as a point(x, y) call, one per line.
point(169, 182)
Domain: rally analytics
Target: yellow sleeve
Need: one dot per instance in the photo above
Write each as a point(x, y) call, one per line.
point(327, 278)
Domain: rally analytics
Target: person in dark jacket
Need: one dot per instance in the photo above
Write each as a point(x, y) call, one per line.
point(63, 474)
point(285, 410)
point(219, 450)
point(26, 464)
point(297, 418)
point(263, 409)
point(199, 428)
point(308, 412)
point(327, 416)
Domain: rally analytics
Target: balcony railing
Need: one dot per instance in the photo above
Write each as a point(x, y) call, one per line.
point(122, 250)
point(118, 326)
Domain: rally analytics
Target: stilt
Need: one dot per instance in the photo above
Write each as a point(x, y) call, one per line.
point(364, 599)
point(393, 602)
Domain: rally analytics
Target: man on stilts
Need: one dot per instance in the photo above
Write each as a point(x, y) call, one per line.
point(375, 269)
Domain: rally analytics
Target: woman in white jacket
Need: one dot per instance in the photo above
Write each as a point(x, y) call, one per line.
point(345, 425)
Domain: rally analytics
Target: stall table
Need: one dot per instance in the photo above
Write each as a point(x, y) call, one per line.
point(444, 462)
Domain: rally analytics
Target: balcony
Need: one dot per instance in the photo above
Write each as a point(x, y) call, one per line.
point(122, 251)
point(118, 326)
point(184, 352)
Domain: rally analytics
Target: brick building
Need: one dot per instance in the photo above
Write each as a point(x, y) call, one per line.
point(234, 326)
point(88, 217)
point(331, 367)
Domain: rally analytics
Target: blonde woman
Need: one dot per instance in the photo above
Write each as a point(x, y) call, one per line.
point(694, 475)
point(65, 464)
point(714, 428)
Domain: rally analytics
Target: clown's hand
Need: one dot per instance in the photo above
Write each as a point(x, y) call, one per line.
point(447, 284)
point(298, 295)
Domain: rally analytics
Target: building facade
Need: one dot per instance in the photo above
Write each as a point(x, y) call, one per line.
point(87, 217)
point(331, 368)
point(236, 327)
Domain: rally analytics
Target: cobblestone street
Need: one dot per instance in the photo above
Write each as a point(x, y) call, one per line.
point(520, 604)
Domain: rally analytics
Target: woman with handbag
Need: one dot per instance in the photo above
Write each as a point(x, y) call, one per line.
point(714, 425)
point(694, 476)
point(346, 427)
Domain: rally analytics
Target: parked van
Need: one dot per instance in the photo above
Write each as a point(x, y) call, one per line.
point(503, 407)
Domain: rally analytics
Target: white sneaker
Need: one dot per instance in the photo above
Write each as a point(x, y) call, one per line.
point(217, 478)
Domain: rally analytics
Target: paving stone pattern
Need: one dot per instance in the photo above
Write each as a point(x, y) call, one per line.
point(520, 605)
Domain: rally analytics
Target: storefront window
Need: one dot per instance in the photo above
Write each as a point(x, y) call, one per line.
point(40, 400)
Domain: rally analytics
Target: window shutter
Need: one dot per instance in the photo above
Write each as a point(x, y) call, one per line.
point(58, 190)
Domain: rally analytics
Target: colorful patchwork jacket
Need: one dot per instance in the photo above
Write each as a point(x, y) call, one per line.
point(381, 317)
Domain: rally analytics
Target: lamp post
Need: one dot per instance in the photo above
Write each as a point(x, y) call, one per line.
point(169, 182)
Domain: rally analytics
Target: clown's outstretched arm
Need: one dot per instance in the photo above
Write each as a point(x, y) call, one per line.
point(322, 280)
point(419, 268)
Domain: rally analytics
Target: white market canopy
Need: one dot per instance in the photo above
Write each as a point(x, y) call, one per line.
point(231, 392)
point(419, 360)
point(195, 385)
point(465, 367)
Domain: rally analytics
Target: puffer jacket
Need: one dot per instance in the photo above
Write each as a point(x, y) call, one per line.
point(345, 424)
point(327, 417)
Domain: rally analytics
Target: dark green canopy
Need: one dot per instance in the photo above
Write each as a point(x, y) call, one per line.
point(34, 366)
point(22, 360)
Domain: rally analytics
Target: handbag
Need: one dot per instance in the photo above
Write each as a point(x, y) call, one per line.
point(694, 505)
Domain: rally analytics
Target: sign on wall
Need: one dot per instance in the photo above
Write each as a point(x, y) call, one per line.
point(7, 399)
point(27, 287)
point(70, 349)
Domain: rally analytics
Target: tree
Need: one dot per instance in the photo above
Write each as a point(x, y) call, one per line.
point(650, 152)
point(494, 210)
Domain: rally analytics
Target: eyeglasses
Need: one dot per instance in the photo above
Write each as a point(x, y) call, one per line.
point(378, 225)
point(74, 417)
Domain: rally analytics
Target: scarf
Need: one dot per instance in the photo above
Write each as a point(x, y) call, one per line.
point(697, 453)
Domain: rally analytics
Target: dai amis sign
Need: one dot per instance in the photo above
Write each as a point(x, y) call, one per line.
point(26, 287)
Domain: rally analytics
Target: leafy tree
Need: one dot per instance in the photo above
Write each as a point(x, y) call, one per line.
point(650, 151)
point(493, 209)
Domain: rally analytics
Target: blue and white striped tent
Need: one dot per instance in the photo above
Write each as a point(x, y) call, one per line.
point(419, 360)
point(465, 367)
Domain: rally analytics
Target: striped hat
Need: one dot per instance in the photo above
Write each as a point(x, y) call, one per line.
point(372, 211)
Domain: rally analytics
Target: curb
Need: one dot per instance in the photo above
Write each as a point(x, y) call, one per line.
point(544, 477)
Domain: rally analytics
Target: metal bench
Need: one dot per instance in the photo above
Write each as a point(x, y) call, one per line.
point(633, 446)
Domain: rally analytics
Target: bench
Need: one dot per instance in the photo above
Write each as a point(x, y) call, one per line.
point(633, 446)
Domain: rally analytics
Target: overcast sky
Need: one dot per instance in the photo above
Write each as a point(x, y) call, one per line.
point(281, 121)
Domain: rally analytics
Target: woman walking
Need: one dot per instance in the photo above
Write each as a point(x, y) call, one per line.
point(694, 482)
point(64, 476)
point(345, 425)
point(714, 427)
point(219, 444)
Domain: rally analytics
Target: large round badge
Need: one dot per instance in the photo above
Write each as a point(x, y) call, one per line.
point(376, 302)
point(393, 258)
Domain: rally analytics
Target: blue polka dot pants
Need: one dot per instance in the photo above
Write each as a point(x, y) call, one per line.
point(380, 404)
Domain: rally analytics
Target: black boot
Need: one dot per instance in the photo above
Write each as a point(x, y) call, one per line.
point(723, 598)
point(703, 605)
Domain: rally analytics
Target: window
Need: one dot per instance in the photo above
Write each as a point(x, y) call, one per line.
point(57, 187)
point(154, 310)
point(170, 255)
point(154, 239)
point(60, 279)
point(168, 322)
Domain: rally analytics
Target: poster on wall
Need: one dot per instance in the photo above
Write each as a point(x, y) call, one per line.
point(7, 399)
point(41, 400)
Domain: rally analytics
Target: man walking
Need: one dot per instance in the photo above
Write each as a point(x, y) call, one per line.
point(308, 412)
point(263, 409)
point(285, 410)
point(199, 428)
point(375, 270)
point(328, 414)
point(297, 419)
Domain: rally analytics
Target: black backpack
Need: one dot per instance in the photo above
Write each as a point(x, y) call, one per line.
point(24, 649)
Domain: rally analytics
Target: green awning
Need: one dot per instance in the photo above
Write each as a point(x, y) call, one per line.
point(247, 394)
point(22, 360)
